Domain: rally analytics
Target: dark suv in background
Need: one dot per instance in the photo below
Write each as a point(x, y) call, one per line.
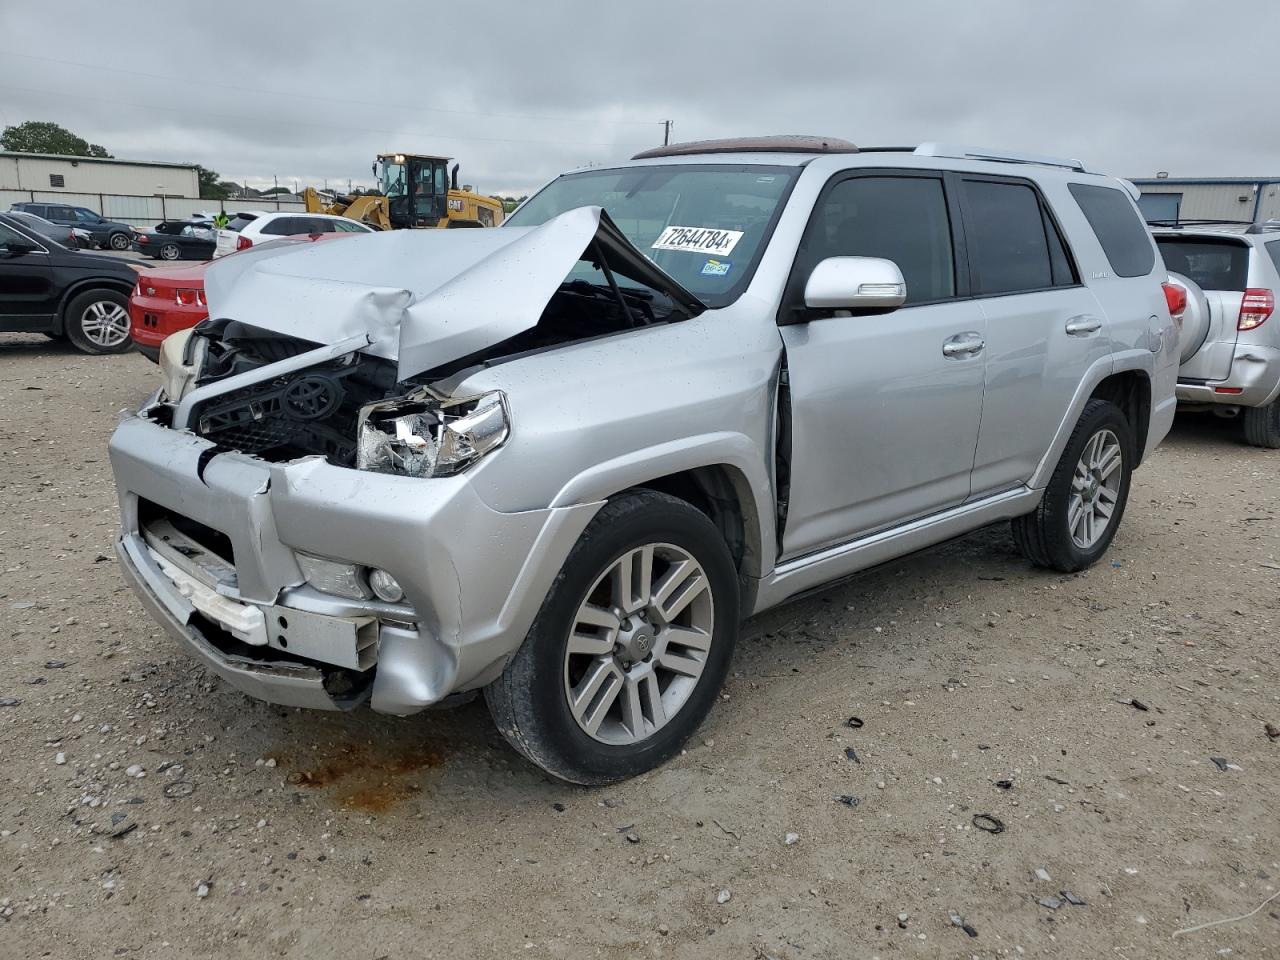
point(105, 233)
point(46, 288)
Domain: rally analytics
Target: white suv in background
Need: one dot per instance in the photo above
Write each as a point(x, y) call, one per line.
point(258, 226)
point(1230, 343)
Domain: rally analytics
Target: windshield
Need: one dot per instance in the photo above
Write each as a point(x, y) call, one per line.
point(706, 225)
point(392, 183)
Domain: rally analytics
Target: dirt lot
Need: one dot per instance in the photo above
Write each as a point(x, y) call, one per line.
point(147, 810)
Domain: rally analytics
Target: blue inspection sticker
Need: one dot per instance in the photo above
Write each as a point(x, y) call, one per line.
point(716, 268)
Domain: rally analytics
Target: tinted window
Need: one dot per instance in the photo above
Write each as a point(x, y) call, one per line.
point(1273, 248)
point(65, 214)
point(1121, 232)
point(282, 226)
point(8, 236)
point(86, 216)
point(1212, 264)
point(241, 220)
point(903, 219)
point(1006, 232)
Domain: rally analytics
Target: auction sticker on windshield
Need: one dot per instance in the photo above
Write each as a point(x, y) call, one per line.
point(698, 240)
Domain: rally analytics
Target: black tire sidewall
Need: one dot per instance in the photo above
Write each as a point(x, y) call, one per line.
point(75, 313)
point(1099, 415)
point(111, 241)
point(539, 665)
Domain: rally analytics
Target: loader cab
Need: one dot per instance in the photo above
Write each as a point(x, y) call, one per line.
point(416, 188)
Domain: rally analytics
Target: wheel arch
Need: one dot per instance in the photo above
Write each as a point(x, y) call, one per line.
point(1130, 390)
point(722, 475)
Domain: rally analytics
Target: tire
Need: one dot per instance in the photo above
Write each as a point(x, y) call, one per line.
point(118, 241)
point(1046, 536)
point(170, 251)
point(1262, 426)
point(530, 701)
point(97, 321)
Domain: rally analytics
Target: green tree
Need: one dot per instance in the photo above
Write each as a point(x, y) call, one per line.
point(212, 186)
point(41, 136)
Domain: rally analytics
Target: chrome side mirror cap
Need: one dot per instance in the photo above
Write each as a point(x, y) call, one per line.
point(855, 283)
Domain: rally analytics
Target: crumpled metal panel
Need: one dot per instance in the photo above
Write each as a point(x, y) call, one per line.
point(424, 297)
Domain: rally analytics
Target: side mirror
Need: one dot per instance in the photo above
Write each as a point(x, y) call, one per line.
point(16, 248)
point(855, 283)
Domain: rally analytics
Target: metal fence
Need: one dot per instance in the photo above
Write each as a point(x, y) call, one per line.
point(144, 211)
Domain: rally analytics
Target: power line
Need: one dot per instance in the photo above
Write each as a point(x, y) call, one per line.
point(276, 121)
point(97, 68)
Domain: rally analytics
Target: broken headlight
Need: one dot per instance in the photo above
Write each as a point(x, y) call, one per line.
point(423, 436)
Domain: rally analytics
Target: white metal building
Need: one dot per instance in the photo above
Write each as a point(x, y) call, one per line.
point(1240, 199)
point(49, 173)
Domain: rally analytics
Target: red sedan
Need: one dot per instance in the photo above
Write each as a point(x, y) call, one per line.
point(169, 299)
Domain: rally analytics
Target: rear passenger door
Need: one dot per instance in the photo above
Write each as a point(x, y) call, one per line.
point(1044, 328)
point(884, 410)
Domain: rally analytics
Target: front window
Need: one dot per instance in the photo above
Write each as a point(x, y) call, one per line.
point(392, 183)
point(704, 224)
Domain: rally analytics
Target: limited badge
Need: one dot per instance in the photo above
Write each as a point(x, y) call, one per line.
point(716, 268)
point(698, 240)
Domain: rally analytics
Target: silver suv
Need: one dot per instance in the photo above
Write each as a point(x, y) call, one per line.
point(1230, 354)
point(561, 460)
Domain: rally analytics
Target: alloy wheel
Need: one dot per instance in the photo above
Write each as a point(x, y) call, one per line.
point(638, 644)
point(1095, 489)
point(169, 251)
point(105, 324)
point(119, 241)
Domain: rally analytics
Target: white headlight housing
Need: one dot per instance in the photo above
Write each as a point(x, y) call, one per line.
point(421, 436)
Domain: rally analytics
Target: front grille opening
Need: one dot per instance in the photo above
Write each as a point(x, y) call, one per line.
point(214, 541)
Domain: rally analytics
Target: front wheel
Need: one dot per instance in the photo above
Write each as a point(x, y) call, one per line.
point(98, 322)
point(630, 648)
point(119, 241)
point(1085, 499)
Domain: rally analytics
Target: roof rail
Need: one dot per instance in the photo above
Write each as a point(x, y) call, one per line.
point(1177, 224)
point(955, 152)
point(1265, 226)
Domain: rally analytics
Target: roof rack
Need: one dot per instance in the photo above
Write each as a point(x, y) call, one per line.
point(782, 144)
point(954, 152)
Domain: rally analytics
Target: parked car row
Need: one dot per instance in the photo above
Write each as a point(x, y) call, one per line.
point(100, 231)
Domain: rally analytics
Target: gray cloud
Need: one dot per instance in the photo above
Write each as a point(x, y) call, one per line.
point(519, 91)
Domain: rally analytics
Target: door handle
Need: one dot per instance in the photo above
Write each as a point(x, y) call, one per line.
point(1083, 326)
point(963, 345)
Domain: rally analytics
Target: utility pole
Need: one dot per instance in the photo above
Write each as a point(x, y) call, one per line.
point(666, 132)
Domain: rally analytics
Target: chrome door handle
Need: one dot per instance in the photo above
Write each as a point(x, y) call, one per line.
point(963, 345)
point(1083, 326)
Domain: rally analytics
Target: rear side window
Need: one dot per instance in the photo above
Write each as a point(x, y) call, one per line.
point(903, 219)
point(1119, 229)
point(240, 221)
point(1013, 245)
point(1213, 264)
point(1273, 248)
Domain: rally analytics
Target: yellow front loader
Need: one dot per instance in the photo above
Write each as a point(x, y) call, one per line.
point(416, 192)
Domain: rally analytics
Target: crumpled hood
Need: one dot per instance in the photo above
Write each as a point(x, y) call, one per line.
point(423, 297)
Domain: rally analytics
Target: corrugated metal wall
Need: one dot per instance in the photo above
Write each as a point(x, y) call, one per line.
point(1211, 201)
point(142, 211)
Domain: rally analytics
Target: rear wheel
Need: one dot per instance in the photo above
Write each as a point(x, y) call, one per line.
point(1262, 425)
point(1085, 499)
point(170, 251)
point(630, 648)
point(97, 321)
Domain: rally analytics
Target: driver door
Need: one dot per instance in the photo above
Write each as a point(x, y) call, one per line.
point(884, 420)
point(27, 300)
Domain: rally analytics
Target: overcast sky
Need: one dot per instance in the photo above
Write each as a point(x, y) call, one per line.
point(519, 91)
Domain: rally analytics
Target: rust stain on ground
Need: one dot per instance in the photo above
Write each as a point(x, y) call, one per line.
point(367, 777)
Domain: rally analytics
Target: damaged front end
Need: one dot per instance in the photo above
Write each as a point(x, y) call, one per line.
point(275, 512)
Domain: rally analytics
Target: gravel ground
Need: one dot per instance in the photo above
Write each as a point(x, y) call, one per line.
point(147, 810)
